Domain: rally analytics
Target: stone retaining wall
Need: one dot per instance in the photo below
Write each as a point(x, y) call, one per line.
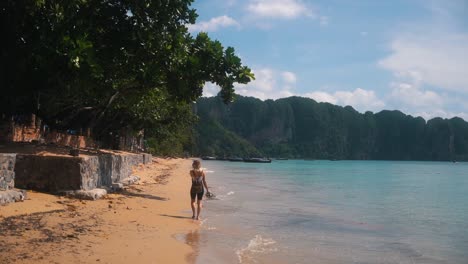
point(48, 173)
point(58, 173)
point(7, 171)
point(7, 180)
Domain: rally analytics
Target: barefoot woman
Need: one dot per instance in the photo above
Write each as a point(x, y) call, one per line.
point(198, 181)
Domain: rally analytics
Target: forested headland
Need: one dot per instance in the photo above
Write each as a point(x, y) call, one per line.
point(298, 127)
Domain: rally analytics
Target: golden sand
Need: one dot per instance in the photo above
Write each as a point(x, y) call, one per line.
point(137, 225)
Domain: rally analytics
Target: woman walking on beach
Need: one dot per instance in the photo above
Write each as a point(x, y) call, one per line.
point(198, 181)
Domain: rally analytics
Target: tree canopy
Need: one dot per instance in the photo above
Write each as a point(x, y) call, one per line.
point(108, 64)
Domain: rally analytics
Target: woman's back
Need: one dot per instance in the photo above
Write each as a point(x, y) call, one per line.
point(197, 176)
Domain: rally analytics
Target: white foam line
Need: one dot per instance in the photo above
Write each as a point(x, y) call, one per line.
point(202, 221)
point(256, 245)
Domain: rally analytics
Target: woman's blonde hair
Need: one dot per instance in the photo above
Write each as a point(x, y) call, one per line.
point(196, 164)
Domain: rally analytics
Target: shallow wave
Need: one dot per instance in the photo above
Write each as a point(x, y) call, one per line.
point(203, 221)
point(221, 192)
point(224, 196)
point(257, 245)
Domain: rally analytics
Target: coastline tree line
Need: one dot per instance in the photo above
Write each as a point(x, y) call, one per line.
point(298, 127)
point(111, 66)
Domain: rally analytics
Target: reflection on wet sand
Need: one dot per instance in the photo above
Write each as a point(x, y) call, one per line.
point(193, 239)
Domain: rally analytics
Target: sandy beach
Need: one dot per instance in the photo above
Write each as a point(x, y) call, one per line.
point(138, 225)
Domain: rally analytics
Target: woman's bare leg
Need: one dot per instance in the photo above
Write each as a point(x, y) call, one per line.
point(198, 208)
point(193, 208)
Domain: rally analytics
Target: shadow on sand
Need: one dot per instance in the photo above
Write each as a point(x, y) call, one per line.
point(143, 195)
point(176, 216)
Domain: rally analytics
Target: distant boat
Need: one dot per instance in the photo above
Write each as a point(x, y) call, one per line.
point(258, 160)
point(236, 159)
point(281, 158)
point(208, 158)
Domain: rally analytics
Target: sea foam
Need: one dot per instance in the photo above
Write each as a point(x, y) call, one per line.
point(256, 245)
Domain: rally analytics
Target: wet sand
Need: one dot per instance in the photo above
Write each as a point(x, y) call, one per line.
point(138, 225)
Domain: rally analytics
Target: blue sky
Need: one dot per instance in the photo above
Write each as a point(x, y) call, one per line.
point(410, 55)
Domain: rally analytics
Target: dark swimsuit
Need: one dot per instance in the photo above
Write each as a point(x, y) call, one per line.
point(197, 187)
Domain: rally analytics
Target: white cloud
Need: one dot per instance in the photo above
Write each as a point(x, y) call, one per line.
point(214, 24)
point(411, 96)
point(289, 77)
point(438, 59)
point(429, 61)
point(322, 97)
point(359, 99)
point(264, 80)
point(286, 9)
point(210, 89)
point(273, 84)
point(285, 93)
point(268, 84)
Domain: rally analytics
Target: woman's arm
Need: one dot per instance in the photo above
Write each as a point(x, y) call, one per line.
point(204, 182)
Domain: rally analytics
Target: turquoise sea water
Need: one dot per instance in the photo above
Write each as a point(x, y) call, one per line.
point(298, 211)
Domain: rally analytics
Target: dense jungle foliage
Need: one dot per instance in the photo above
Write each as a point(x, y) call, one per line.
point(110, 65)
point(298, 127)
